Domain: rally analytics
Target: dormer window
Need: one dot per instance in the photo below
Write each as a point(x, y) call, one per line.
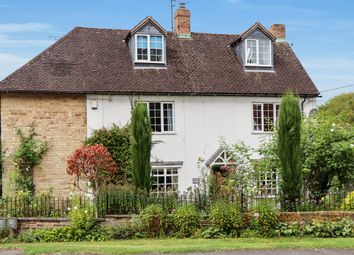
point(149, 48)
point(258, 52)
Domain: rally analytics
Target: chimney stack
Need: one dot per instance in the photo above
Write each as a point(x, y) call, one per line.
point(183, 22)
point(278, 30)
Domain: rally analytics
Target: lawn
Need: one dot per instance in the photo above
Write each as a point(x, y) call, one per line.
point(181, 245)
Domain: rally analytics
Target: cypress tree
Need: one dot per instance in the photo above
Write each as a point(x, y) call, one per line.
point(140, 133)
point(289, 150)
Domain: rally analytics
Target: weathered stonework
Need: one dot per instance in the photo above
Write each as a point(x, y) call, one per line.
point(117, 220)
point(59, 119)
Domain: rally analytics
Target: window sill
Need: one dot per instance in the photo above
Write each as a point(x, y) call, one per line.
point(248, 65)
point(164, 133)
point(149, 62)
point(261, 132)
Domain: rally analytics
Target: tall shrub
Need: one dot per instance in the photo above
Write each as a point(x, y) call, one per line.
point(289, 150)
point(117, 141)
point(140, 131)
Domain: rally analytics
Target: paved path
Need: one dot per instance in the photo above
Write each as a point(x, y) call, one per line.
point(10, 252)
point(249, 252)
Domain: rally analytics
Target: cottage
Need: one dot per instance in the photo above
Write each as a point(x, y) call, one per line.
point(198, 87)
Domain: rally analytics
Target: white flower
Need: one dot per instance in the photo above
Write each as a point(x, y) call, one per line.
point(332, 130)
point(68, 208)
point(75, 208)
point(334, 124)
point(86, 211)
point(256, 215)
point(352, 145)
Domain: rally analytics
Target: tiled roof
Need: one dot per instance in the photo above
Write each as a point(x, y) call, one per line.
point(90, 60)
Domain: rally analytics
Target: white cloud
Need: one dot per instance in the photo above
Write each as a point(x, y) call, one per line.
point(9, 63)
point(342, 64)
point(24, 27)
point(7, 42)
point(11, 28)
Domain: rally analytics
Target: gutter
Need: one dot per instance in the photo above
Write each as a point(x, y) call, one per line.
point(135, 93)
point(303, 103)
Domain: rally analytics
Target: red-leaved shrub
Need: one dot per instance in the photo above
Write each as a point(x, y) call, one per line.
point(92, 164)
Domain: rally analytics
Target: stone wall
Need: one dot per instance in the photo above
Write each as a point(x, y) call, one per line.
point(116, 220)
point(31, 223)
point(41, 223)
point(59, 119)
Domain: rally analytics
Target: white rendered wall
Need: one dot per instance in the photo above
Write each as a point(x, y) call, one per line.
point(199, 124)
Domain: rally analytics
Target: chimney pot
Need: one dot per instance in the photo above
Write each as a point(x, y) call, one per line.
point(278, 30)
point(183, 22)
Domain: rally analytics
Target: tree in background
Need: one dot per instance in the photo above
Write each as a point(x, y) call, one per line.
point(289, 150)
point(117, 141)
point(91, 164)
point(140, 131)
point(341, 106)
point(328, 155)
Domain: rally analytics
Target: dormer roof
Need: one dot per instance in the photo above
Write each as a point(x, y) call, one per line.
point(145, 21)
point(249, 31)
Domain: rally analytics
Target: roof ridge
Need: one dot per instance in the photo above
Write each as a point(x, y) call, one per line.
point(98, 28)
point(169, 32)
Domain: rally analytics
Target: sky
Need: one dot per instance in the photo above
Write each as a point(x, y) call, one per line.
point(321, 32)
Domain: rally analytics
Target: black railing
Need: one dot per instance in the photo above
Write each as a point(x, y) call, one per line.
point(131, 203)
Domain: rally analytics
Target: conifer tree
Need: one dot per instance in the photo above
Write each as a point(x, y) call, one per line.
point(289, 150)
point(140, 134)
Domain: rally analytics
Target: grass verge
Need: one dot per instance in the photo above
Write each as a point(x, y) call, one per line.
point(180, 245)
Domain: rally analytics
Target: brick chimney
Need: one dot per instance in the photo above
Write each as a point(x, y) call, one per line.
point(278, 30)
point(183, 22)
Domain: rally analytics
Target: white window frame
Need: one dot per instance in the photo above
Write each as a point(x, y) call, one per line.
point(148, 49)
point(257, 53)
point(268, 180)
point(262, 116)
point(162, 116)
point(165, 168)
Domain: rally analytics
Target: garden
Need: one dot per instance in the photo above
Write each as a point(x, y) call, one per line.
point(306, 165)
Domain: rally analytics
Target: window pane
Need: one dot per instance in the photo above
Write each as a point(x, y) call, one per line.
point(257, 117)
point(251, 52)
point(164, 180)
point(268, 117)
point(156, 48)
point(277, 108)
point(264, 52)
point(168, 117)
point(267, 184)
point(155, 116)
point(142, 49)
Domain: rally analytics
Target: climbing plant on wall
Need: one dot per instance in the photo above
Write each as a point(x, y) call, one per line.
point(28, 154)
